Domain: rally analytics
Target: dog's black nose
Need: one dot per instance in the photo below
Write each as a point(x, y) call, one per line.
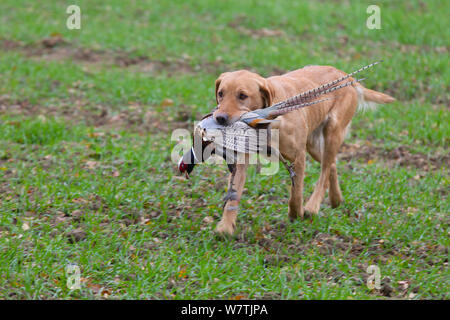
point(222, 119)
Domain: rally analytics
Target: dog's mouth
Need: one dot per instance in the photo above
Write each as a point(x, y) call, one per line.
point(235, 118)
point(226, 119)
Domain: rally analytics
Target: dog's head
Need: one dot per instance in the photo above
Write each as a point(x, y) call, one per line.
point(239, 92)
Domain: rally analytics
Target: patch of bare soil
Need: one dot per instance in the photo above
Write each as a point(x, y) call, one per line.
point(147, 120)
point(400, 156)
point(136, 117)
point(238, 22)
point(55, 48)
point(260, 33)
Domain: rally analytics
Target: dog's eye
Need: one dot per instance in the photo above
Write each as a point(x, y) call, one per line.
point(220, 94)
point(243, 96)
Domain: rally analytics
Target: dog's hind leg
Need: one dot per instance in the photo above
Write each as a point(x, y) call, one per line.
point(334, 130)
point(316, 143)
point(315, 147)
point(333, 136)
point(296, 197)
point(334, 191)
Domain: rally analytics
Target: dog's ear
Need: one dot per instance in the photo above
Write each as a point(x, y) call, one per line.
point(218, 81)
point(267, 92)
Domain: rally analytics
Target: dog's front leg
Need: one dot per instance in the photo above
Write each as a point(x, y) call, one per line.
point(228, 222)
point(296, 197)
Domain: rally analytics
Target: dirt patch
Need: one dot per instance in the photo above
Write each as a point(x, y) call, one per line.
point(279, 252)
point(10, 45)
point(260, 33)
point(139, 119)
point(403, 157)
point(135, 117)
point(238, 24)
point(400, 156)
point(76, 235)
point(55, 48)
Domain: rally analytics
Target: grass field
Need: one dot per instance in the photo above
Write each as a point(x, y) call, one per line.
point(86, 177)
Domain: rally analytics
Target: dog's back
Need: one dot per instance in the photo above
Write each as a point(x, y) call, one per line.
point(316, 75)
point(293, 82)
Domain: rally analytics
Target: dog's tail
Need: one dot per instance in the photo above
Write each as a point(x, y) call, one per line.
point(370, 99)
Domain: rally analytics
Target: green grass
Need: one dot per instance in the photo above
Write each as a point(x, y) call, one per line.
point(85, 150)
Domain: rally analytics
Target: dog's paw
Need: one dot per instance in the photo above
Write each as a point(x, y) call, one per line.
point(225, 228)
point(311, 209)
point(336, 200)
point(295, 214)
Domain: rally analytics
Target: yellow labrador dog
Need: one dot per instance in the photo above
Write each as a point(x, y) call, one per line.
point(319, 129)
